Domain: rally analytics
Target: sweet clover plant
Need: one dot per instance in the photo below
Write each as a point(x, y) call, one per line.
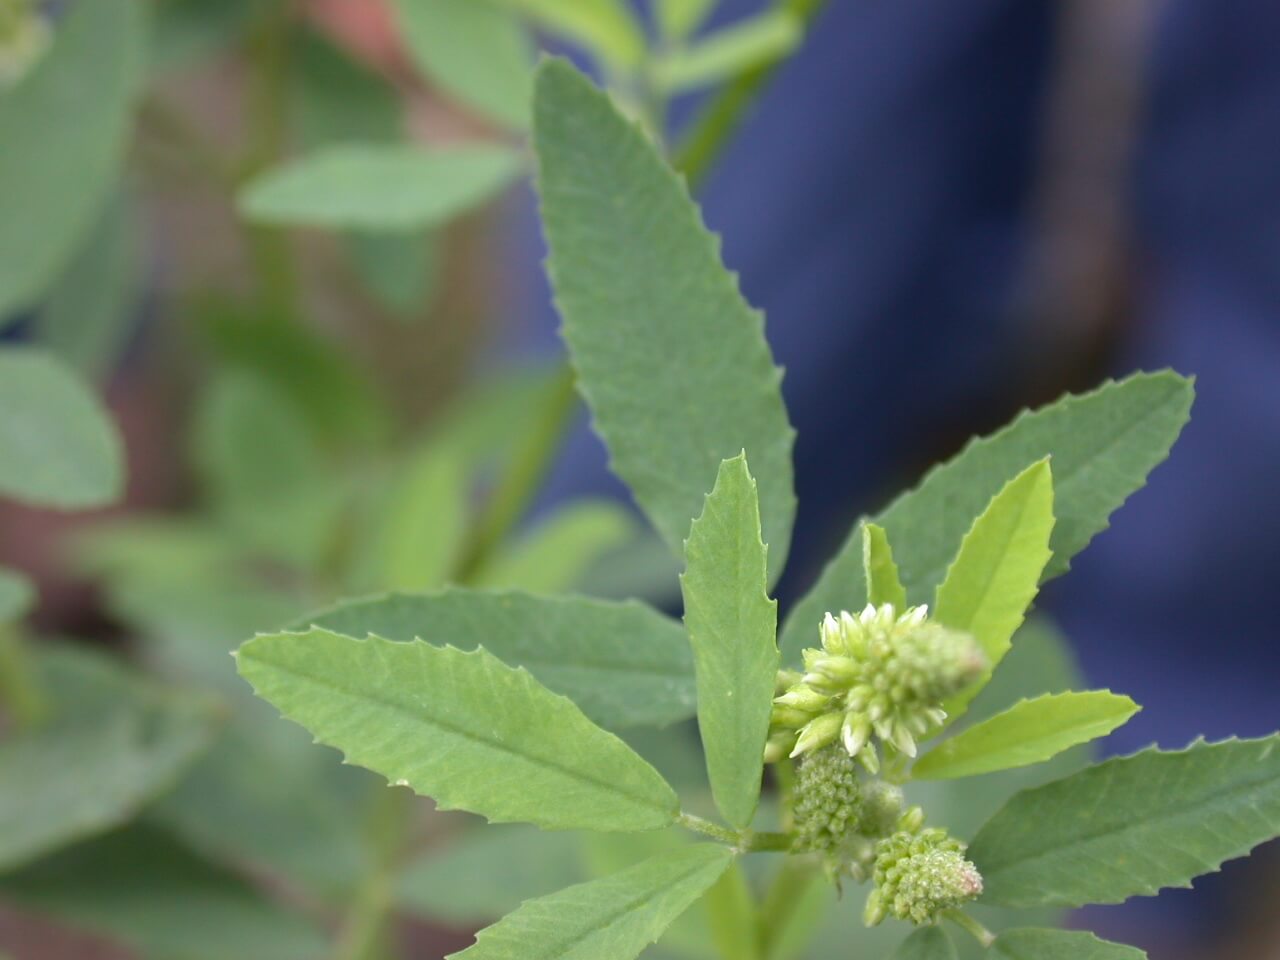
point(827, 737)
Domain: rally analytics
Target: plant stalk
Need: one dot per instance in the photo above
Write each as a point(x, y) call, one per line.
point(721, 118)
point(971, 926)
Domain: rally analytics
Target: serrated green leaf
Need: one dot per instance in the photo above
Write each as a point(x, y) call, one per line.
point(1032, 944)
point(57, 446)
point(606, 27)
point(488, 872)
point(141, 889)
point(1029, 732)
point(476, 52)
point(996, 574)
point(670, 358)
point(624, 664)
point(881, 572)
point(753, 42)
point(1103, 445)
point(558, 552)
point(16, 595)
point(63, 150)
point(128, 740)
point(461, 727)
point(1131, 826)
point(615, 917)
point(88, 316)
point(679, 18)
point(927, 943)
point(732, 627)
point(384, 188)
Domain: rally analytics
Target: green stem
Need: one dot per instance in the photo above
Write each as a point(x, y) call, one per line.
point(365, 930)
point(524, 475)
point(19, 683)
point(784, 904)
point(971, 926)
point(748, 841)
point(697, 824)
point(722, 117)
point(267, 108)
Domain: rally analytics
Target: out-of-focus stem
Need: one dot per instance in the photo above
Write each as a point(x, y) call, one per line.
point(19, 685)
point(721, 118)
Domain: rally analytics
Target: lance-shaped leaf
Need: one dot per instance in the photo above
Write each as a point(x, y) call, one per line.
point(616, 917)
point(750, 44)
point(624, 664)
point(1103, 445)
point(1028, 732)
point(57, 446)
point(927, 943)
point(606, 27)
point(883, 585)
point(679, 18)
point(476, 52)
point(1033, 944)
point(1131, 826)
point(65, 129)
point(462, 727)
point(732, 626)
point(381, 188)
point(670, 358)
point(997, 571)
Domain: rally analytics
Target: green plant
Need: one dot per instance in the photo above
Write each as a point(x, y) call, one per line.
point(499, 704)
point(310, 482)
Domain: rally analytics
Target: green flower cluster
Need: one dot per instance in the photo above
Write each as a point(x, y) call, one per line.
point(918, 876)
point(839, 816)
point(880, 673)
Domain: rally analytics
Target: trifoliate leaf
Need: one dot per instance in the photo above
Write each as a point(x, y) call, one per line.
point(1131, 826)
point(624, 664)
point(615, 917)
point(1029, 732)
point(883, 585)
point(670, 358)
point(461, 727)
point(996, 574)
point(1032, 944)
point(732, 627)
point(1102, 444)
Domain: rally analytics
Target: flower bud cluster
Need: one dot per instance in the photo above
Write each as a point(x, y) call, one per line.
point(918, 876)
point(879, 673)
point(840, 816)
